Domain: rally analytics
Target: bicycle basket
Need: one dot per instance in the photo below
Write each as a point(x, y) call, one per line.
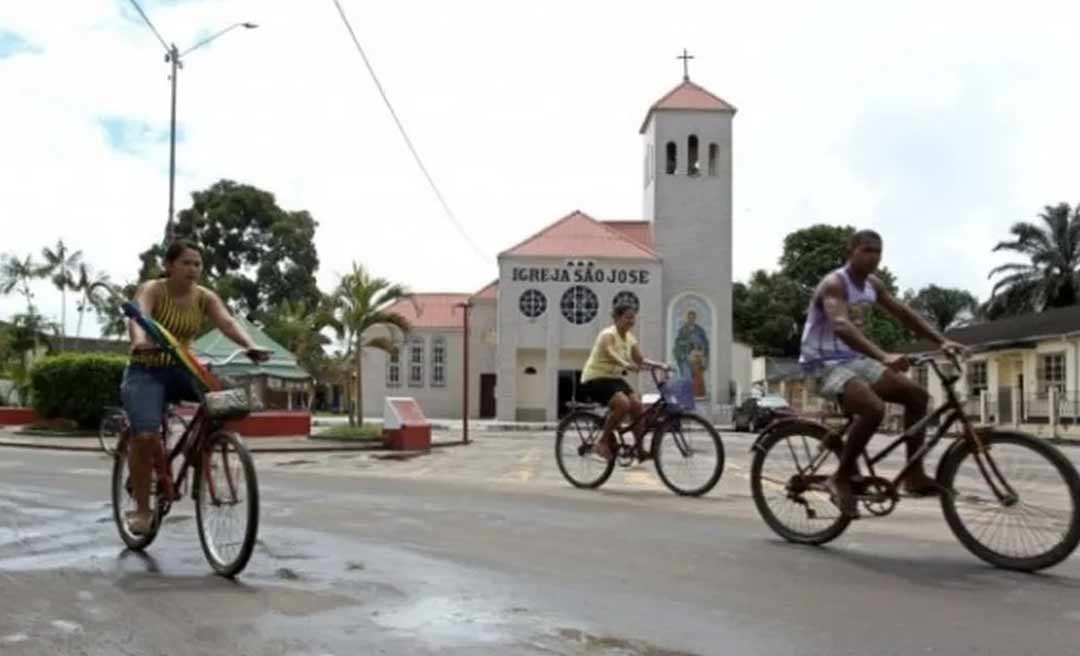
point(679, 394)
point(230, 404)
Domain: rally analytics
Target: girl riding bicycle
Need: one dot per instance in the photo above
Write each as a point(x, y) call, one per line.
point(614, 353)
point(152, 379)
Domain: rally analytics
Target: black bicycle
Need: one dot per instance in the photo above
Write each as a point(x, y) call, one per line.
point(687, 449)
point(1012, 499)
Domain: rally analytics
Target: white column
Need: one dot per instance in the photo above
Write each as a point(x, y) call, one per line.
point(1053, 414)
point(984, 407)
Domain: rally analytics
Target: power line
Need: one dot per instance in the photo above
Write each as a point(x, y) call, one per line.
point(150, 25)
point(408, 141)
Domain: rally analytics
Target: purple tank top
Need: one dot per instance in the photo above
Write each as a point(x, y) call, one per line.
point(820, 345)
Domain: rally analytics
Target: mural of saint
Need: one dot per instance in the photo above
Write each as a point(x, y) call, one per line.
point(691, 345)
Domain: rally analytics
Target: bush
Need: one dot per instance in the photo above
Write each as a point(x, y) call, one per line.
point(77, 386)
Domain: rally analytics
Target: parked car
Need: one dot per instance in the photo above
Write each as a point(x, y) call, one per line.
point(757, 412)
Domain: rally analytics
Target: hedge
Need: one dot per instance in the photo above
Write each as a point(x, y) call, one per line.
point(77, 386)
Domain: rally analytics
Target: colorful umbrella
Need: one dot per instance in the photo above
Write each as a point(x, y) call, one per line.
point(172, 346)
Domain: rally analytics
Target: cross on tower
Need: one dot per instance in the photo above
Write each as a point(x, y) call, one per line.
point(685, 57)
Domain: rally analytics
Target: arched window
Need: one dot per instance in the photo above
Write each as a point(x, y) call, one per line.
point(416, 362)
point(693, 165)
point(672, 158)
point(713, 156)
point(393, 368)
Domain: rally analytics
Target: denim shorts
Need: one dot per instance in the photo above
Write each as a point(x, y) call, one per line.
point(835, 376)
point(146, 391)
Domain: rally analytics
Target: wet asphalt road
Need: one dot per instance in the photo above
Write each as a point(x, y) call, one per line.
point(484, 550)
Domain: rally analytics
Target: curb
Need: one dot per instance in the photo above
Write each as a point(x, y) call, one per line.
point(254, 449)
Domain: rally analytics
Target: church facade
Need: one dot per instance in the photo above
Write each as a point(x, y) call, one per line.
point(530, 331)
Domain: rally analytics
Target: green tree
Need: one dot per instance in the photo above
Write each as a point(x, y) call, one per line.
point(811, 253)
point(16, 275)
point(255, 254)
point(768, 313)
point(361, 305)
point(91, 300)
point(299, 329)
point(945, 307)
point(61, 263)
point(1051, 276)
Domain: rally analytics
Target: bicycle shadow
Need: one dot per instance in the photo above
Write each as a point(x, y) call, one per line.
point(153, 577)
point(937, 572)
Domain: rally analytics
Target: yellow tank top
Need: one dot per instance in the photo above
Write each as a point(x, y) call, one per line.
point(600, 364)
point(183, 322)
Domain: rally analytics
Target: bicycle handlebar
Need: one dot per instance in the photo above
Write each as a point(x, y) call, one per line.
point(237, 353)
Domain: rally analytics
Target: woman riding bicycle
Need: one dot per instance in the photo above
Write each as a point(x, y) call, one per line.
point(152, 379)
point(615, 353)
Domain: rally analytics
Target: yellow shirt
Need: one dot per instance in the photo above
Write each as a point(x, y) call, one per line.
point(600, 363)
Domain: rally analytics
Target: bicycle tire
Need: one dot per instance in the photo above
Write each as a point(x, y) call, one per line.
point(566, 448)
point(121, 495)
point(229, 443)
point(668, 433)
point(110, 430)
point(830, 531)
point(973, 540)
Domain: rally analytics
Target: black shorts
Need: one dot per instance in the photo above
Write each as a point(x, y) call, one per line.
point(600, 390)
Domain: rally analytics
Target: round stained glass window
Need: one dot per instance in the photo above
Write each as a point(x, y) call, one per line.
point(626, 298)
point(532, 303)
point(579, 305)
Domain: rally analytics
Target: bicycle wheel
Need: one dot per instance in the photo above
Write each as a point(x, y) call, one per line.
point(787, 474)
point(1038, 523)
point(574, 440)
point(124, 504)
point(689, 454)
point(112, 426)
point(226, 503)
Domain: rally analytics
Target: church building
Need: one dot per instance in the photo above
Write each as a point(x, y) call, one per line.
point(531, 330)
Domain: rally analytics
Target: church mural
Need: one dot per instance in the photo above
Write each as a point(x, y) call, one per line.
point(692, 323)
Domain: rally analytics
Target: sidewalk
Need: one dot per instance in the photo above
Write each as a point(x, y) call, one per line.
point(296, 444)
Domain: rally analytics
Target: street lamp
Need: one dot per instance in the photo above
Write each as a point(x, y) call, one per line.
point(174, 57)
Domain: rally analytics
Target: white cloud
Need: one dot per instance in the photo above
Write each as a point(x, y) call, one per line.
point(940, 124)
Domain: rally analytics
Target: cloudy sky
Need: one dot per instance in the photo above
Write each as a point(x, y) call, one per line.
point(938, 123)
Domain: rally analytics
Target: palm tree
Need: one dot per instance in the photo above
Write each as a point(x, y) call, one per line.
point(62, 266)
point(90, 300)
point(1051, 278)
point(361, 304)
point(945, 307)
point(16, 274)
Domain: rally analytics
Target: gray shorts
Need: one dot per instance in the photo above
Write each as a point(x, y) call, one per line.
point(835, 376)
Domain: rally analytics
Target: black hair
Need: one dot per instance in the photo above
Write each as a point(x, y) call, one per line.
point(621, 309)
point(861, 237)
point(177, 248)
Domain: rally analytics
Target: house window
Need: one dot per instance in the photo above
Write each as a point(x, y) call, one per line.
point(714, 153)
point(416, 362)
point(672, 158)
point(921, 375)
point(693, 164)
point(579, 305)
point(393, 368)
point(438, 362)
point(976, 378)
point(532, 303)
point(1051, 373)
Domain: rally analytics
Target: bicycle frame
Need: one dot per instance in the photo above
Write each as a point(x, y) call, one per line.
point(951, 411)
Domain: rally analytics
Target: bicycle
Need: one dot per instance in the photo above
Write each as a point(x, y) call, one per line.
point(224, 470)
point(971, 473)
point(680, 441)
point(115, 421)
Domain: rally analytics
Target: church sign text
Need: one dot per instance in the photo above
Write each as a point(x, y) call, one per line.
point(581, 275)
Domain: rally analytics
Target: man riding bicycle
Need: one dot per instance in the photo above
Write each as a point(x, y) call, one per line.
point(614, 353)
point(856, 372)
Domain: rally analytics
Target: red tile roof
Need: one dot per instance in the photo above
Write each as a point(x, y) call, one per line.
point(489, 292)
point(689, 96)
point(639, 231)
point(579, 235)
point(432, 310)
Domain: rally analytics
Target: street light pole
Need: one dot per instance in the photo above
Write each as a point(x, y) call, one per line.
point(173, 57)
